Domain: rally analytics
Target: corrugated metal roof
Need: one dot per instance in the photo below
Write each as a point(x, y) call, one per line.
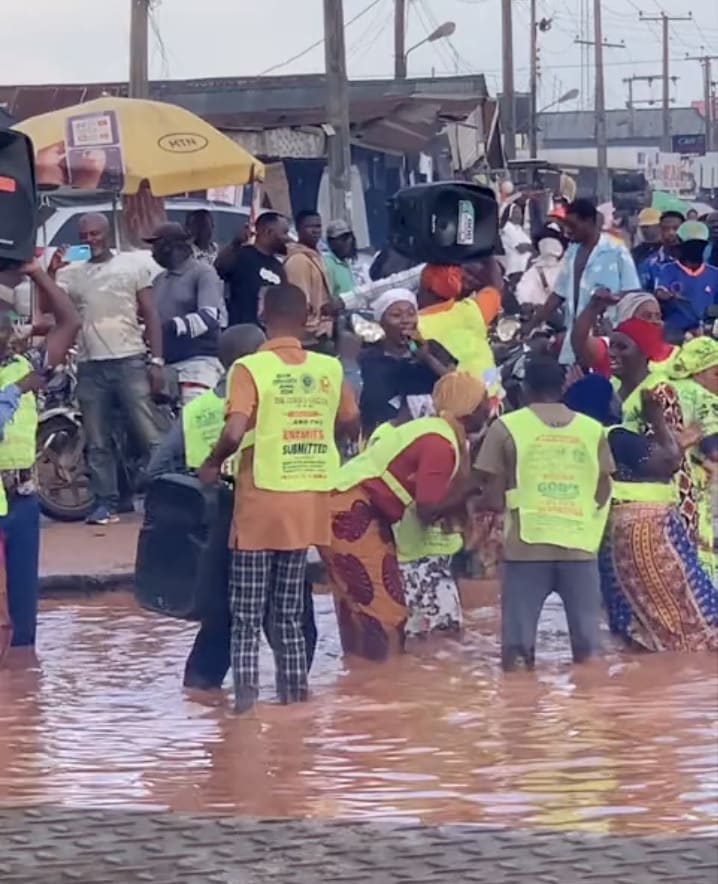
point(393, 115)
point(622, 125)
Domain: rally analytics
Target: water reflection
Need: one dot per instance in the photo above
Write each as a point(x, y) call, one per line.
point(627, 744)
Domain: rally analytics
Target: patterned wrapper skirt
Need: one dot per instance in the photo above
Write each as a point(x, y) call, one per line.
point(365, 578)
point(432, 596)
point(656, 592)
point(5, 624)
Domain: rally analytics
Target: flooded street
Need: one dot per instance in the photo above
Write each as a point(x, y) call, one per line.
point(623, 746)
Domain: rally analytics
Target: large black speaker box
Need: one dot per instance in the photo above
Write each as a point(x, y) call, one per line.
point(182, 561)
point(18, 200)
point(448, 222)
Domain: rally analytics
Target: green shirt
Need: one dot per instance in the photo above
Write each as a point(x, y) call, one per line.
point(341, 278)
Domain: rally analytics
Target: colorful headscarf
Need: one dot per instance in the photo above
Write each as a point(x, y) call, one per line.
point(445, 282)
point(647, 336)
point(695, 356)
point(458, 394)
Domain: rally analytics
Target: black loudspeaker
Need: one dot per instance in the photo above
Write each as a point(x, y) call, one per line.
point(18, 199)
point(445, 223)
point(181, 569)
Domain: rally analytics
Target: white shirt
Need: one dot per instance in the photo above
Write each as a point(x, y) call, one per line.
point(106, 297)
point(531, 288)
point(512, 236)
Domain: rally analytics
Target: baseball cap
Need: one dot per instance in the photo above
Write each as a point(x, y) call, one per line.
point(693, 230)
point(337, 228)
point(170, 231)
point(649, 217)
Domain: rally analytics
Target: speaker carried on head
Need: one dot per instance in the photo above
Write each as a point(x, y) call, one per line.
point(445, 223)
point(18, 199)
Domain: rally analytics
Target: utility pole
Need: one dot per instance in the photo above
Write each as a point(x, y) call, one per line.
point(337, 111)
point(708, 108)
point(400, 39)
point(139, 48)
point(533, 84)
point(643, 78)
point(507, 39)
point(603, 184)
point(665, 21)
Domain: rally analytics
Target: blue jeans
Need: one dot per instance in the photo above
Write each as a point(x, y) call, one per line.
point(102, 385)
point(21, 527)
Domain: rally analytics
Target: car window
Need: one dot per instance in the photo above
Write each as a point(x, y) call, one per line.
point(69, 233)
point(226, 224)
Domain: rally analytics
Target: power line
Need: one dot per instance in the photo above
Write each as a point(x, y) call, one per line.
point(319, 42)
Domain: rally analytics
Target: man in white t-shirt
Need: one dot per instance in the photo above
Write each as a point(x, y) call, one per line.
point(112, 292)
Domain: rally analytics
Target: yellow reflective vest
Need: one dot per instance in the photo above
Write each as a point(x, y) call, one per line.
point(557, 471)
point(293, 437)
point(17, 448)
point(202, 422)
point(462, 331)
point(414, 540)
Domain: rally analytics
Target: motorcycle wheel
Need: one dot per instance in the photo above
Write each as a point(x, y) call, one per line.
point(63, 485)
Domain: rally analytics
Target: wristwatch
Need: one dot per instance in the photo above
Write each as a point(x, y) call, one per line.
point(158, 361)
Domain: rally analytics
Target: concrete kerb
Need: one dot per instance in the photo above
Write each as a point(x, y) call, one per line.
point(69, 585)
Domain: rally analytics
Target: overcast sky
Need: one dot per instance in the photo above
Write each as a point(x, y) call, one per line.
point(63, 41)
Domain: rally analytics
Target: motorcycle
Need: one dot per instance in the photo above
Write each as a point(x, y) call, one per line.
point(63, 484)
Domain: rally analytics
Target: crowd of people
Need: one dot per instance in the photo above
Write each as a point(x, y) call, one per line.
point(394, 456)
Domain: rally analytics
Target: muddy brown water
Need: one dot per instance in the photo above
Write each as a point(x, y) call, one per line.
point(625, 745)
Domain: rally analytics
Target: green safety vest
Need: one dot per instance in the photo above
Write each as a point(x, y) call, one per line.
point(293, 437)
point(414, 540)
point(202, 422)
point(557, 472)
point(17, 448)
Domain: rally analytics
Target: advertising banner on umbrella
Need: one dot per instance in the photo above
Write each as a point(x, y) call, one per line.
point(117, 144)
point(93, 151)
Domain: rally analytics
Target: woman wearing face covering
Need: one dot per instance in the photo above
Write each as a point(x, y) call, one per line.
point(538, 281)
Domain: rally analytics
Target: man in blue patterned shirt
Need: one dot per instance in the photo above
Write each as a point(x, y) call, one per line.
point(649, 269)
point(593, 260)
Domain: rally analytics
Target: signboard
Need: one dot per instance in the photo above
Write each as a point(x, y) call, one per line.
point(689, 145)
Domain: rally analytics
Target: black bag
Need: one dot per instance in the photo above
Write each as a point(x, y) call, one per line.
point(182, 561)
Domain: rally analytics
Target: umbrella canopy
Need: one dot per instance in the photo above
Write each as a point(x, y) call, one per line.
point(116, 143)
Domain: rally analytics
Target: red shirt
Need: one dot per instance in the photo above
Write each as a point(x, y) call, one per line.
point(424, 468)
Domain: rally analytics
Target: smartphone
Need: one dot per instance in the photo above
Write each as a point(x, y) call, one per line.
point(78, 253)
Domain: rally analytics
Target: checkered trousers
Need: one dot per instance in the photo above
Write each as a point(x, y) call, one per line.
point(275, 579)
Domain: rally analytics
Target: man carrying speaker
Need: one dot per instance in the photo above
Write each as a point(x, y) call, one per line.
point(184, 449)
point(20, 521)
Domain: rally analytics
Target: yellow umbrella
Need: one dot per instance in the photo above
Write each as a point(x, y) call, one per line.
point(115, 143)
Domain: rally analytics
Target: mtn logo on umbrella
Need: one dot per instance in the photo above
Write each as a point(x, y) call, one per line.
point(183, 142)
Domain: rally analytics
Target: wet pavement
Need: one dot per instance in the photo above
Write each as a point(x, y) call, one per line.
point(623, 750)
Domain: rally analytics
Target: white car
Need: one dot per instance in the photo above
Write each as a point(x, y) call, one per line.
point(60, 217)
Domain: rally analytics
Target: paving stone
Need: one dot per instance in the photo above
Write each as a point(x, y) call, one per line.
point(52, 846)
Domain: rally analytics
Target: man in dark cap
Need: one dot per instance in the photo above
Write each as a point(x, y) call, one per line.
point(342, 248)
point(188, 298)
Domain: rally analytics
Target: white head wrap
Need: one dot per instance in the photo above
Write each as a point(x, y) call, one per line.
point(388, 299)
point(630, 302)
